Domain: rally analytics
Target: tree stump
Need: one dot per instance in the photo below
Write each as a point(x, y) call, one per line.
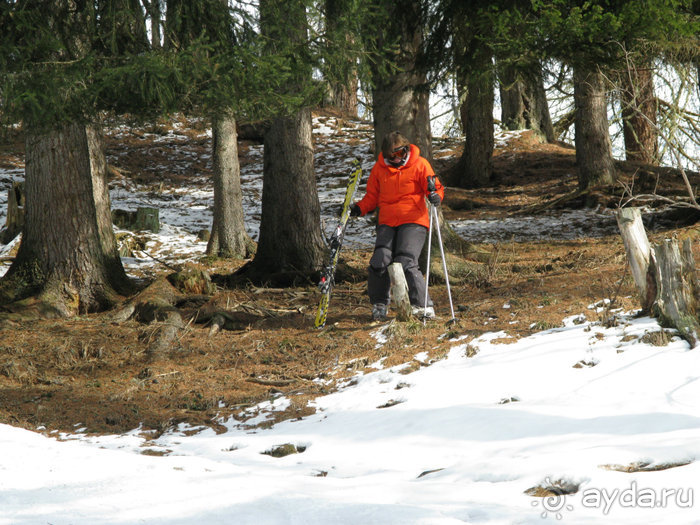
point(399, 292)
point(15, 212)
point(638, 250)
point(147, 219)
point(676, 302)
point(665, 276)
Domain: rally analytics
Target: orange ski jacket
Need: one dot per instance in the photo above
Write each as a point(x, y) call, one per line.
point(400, 193)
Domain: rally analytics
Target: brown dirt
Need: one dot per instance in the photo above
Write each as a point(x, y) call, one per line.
point(92, 372)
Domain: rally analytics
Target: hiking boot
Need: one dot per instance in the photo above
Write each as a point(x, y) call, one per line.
point(378, 312)
point(423, 313)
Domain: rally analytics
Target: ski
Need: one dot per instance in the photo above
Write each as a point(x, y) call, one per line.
point(335, 242)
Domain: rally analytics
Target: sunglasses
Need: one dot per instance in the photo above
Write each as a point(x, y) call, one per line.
point(399, 153)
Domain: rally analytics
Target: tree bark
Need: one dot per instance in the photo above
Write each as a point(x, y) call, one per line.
point(400, 97)
point(228, 236)
point(639, 113)
point(677, 302)
point(638, 250)
point(68, 254)
point(665, 276)
point(344, 81)
point(290, 224)
point(475, 166)
point(524, 101)
point(399, 292)
point(594, 158)
point(290, 243)
point(153, 8)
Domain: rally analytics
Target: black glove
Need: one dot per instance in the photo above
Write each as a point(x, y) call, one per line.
point(434, 198)
point(355, 211)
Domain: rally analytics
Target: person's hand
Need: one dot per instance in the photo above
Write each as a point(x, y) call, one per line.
point(434, 198)
point(355, 211)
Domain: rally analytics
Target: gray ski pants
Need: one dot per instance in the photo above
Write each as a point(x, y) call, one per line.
point(401, 244)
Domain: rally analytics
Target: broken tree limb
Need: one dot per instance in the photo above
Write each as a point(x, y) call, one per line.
point(638, 250)
point(676, 303)
point(399, 292)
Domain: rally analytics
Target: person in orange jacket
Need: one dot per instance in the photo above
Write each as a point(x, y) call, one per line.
point(398, 186)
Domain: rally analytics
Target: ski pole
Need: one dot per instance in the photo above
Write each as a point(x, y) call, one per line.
point(444, 264)
point(427, 265)
point(433, 211)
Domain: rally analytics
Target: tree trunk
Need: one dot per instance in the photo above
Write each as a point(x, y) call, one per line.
point(153, 8)
point(400, 97)
point(524, 101)
point(639, 113)
point(344, 81)
point(228, 236)
point(290, 225)
point(68, 254)
point(594, 158)
point(290, 243)
point(475, 166)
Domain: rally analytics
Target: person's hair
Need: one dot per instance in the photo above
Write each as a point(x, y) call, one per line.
point(391, 142)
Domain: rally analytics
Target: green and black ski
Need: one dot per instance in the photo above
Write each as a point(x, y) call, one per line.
point(335, 243)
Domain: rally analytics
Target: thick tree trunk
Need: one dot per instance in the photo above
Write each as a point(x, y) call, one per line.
point(594, 158)
point(228, 236)
point(475, 166)
point(524, 101)
point(639, 114)
point(290, 225)
point(68, 255)
point(344, 82)
point(401, 98)
point(343, 96)
point(398, 107)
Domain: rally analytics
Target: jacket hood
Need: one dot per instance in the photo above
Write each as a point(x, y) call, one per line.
point(414, 153)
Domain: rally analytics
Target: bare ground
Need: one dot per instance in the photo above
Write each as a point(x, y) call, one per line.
point(95, 373)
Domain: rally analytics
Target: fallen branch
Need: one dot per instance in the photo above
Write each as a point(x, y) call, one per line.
point(271, 382)
point(539, 207)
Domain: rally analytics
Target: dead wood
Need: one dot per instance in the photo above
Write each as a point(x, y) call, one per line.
point(553, 203)
point(638, 250)
point(676, 302)
point(665, 276)
point(271, 382)
point(399, 292)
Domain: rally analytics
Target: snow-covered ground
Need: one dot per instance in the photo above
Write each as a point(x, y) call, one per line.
point(458, 441)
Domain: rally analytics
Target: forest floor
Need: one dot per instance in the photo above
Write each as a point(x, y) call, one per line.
point(93, 373)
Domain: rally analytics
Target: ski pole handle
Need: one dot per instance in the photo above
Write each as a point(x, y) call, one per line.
point(431, 184)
